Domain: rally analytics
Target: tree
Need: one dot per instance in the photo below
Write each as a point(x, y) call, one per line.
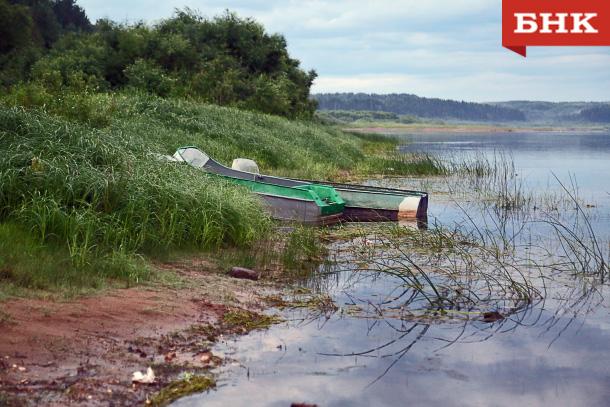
point(15, 27)
point(70, 16)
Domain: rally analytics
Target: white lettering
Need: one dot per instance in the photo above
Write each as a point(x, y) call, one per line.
point(580, 22)
point(559, 21)
point(526, 23)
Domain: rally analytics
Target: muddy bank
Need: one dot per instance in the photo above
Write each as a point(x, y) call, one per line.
point(84, 351)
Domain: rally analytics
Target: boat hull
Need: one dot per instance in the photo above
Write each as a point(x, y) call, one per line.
point(293, 202)
point(376, 206)
point(297, 210)
point(363, 203)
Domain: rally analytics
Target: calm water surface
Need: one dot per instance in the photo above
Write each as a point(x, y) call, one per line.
point(556, 352)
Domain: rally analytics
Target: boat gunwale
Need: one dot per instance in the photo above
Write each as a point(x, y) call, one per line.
point(317, 199)
point(368, 188)
point(293, 198)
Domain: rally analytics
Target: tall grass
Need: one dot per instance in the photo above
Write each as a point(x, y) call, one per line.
point(283, 147)
point(383, 158)
point(26, 262)
point(495, 180)
point(278, 145)
point(100, 193)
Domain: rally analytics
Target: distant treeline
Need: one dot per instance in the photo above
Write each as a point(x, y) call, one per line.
point(407, 104)
point(50, 46)
point(561, 112)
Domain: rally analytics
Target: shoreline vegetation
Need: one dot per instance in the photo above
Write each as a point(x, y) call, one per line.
point(93, 201)
point(112, 261)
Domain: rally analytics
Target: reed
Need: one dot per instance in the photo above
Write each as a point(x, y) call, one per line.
point(441, 272)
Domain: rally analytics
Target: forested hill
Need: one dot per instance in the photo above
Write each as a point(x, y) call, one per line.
point(49, 47)
point(561, 112)
point(407, 104)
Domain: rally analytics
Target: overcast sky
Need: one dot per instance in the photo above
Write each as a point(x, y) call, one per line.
point(435, 48)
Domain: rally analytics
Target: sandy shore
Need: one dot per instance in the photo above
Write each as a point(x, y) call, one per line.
point(84, 351)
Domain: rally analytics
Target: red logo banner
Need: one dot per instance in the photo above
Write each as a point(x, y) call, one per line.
point(554, 22)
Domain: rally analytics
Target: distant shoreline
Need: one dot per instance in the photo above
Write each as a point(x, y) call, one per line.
point(466, 128)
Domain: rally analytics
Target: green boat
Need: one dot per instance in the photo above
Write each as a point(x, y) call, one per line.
point(305, 203)
point(362, 203)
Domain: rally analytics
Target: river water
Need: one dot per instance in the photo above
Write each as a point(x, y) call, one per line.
point(552, 351)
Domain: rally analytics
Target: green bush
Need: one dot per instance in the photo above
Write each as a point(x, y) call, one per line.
point(226, 60)
point(149, 77)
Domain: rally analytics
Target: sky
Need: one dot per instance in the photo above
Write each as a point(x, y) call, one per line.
point(449, 49)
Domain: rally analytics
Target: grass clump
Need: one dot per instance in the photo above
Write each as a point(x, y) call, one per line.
point(443, 272)
point(26, 262)
point(289, 252)
point(246, 321)
point(302, 248)
point(396, 164)
point(180, 388)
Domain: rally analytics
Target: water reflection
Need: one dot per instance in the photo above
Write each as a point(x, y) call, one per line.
point(392, 362)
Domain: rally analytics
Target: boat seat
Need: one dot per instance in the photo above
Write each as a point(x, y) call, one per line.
point(246, 165)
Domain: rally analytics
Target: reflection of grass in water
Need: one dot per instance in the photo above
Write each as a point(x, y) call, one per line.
point(317, 305)
point(451, 273)
point(447, 277)
point(441, 271)
point(492, 273)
